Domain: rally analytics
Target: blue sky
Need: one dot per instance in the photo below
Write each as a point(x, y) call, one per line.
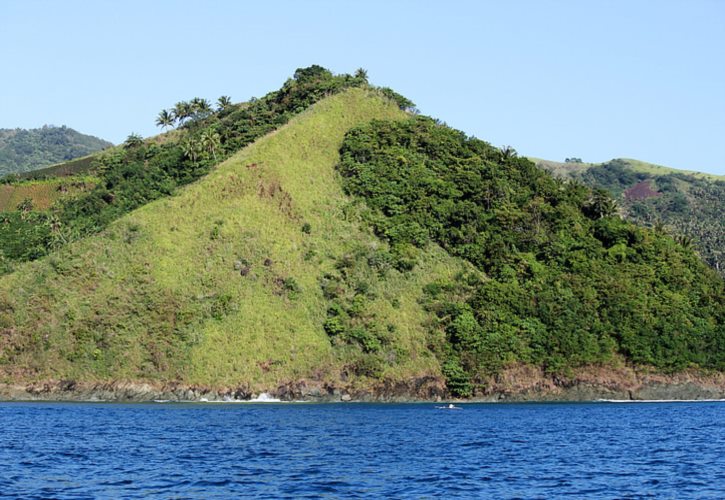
point(553, 79)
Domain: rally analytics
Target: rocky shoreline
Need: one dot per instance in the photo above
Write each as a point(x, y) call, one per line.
point(522, 383)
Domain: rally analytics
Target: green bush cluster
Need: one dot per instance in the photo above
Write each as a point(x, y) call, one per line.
point(566, 281)
point(350, 320)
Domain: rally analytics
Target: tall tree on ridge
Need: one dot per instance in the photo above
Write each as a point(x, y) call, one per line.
point(182, 111)
point(165, 119)
point(223, 102)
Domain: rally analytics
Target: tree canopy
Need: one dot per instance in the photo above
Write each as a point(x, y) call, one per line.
point(561, 279)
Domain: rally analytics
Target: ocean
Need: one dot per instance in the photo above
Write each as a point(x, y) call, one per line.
point(359, 450)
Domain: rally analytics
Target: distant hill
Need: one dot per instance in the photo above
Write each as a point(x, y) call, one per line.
point(642, 167)
point(24, 150)
point(688, 204)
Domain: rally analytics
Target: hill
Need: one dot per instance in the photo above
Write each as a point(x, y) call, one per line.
point(221, 283)
point(26, 150)
point(690, 205)
point(573, 166)
point(345, 247)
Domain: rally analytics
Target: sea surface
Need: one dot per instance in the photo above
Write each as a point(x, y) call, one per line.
point(298, 450)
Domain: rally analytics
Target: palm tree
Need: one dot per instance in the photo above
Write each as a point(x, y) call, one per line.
point(165, 119)
point(223, 102)
point(25, 207)
point(601, 204)
point(200, 108)
point(132, 141)
point(191, 149)
point(686, 241)
point(508, 152)
point(210, 141)
point(361, 74)
point(182, 111)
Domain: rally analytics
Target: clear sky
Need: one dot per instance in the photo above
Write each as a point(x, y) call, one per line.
point(554, 79)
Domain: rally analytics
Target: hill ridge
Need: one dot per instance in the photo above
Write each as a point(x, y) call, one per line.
point(689, 205)
point(563, 167)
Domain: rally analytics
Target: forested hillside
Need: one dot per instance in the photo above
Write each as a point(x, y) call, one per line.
point(562, 280)
point(25, 150)
point(688, 205)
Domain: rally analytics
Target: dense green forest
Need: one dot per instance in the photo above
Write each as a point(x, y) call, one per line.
point(563, 280)
point(689, 206)
point(25, 150)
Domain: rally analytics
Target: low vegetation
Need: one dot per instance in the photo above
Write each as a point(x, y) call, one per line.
point(41, 195)
point(224, 282)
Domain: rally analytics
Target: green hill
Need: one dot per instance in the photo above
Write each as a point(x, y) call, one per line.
point(688, 204)
point(27, 150)
point(346, 244)
point(221, 284)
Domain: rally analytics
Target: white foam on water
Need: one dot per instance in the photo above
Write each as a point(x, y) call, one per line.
point(262, 398)
point(265, 398)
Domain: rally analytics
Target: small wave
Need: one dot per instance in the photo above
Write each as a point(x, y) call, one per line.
point(476, 444)
point(262, 398)
point(265, 398)
point(118, 482)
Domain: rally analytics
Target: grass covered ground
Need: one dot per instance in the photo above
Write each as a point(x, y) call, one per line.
point(42, 193)
point(221, 284)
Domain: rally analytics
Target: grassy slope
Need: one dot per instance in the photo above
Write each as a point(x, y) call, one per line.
point(77, 166)
point(563, 169)
point(157, 295)
point(43, 193)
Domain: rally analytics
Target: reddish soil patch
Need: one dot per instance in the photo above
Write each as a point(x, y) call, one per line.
point(641, 191)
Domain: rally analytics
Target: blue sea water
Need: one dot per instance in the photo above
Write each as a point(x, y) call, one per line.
point(585, 450)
